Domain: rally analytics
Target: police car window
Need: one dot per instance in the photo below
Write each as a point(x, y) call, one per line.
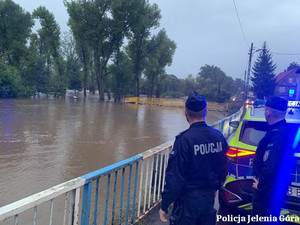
point(293, 131)
point(252, 132)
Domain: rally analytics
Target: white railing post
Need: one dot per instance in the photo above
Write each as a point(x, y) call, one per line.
point(150, 181)
point(155, 178)
point(140, 189)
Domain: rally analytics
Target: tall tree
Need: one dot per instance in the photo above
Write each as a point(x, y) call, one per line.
point(238, 88)
point(118, 26)
point(80, 28)
point(41, 70)
point(160, 55)
point(214, 83)
point(145, 18)
point(49, 35)
point(189, 84)
point(73, 63)
point(293, 65)
point(121, 76)
point(215, 74)
point(263, 82)
point(172, 87)
point(104, 24)
point(15, 27)
point(10, 81)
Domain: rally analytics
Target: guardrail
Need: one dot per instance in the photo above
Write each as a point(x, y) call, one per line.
point(87, 200)
point(223, 125)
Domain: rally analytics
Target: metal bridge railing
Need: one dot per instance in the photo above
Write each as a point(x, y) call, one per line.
point(121, 193)
point(223, 125)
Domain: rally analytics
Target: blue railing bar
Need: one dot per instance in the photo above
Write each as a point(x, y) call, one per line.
point(128, 194)
point(111, 168)
point(107, 199)
point(121, 200)
point(135, 189)
point(96, 201)
point(114, 198)
point(86, 204)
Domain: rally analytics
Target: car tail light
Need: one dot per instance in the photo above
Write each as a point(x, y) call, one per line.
point(234, 153)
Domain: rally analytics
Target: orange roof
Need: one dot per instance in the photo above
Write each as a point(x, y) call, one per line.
point(282, 75)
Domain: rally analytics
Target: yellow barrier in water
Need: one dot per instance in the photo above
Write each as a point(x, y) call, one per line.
point(213, 106)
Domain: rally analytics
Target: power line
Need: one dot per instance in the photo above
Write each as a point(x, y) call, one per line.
point(237, 13)
point(278, 53)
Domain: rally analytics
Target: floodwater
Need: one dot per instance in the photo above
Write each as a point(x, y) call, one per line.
point(45, 142)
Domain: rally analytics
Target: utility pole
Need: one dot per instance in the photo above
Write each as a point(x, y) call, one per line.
point(245, 85)
point(249, 70)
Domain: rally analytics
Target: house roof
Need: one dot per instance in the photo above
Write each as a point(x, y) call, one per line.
point(284, 74)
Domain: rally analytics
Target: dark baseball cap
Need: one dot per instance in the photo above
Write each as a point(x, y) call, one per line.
point(277, 103)
point(195, 102)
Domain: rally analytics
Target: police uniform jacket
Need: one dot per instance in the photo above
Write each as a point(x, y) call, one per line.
point(197, 162)
point(273, 158)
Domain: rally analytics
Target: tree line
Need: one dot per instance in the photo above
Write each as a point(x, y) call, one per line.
point(110, 46)
point(113, 47)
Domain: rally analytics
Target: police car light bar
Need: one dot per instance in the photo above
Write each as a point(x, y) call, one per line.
point(294, 104)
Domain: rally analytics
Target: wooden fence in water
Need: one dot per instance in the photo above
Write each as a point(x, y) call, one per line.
point(173, 102)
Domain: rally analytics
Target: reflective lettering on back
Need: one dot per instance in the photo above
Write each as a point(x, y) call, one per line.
point(203, 149)
point(211, 147)
point(208, 148)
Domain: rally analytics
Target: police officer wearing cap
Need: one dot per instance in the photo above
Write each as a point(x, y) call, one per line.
point(196, 168)
point(273, 161)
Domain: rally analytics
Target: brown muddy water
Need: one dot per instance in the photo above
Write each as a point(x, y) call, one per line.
point(45, 142)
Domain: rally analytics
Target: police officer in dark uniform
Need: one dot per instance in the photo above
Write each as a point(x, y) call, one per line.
point(196, 168)
point(273, 161)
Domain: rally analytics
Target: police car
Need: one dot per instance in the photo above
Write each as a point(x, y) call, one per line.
point(237, 190)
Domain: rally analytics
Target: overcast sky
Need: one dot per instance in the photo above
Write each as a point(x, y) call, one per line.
point(208, 31)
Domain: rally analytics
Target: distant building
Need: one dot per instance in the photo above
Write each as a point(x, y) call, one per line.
point(288, 84)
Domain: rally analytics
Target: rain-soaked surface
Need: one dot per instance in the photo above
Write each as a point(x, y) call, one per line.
point(45, 142)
